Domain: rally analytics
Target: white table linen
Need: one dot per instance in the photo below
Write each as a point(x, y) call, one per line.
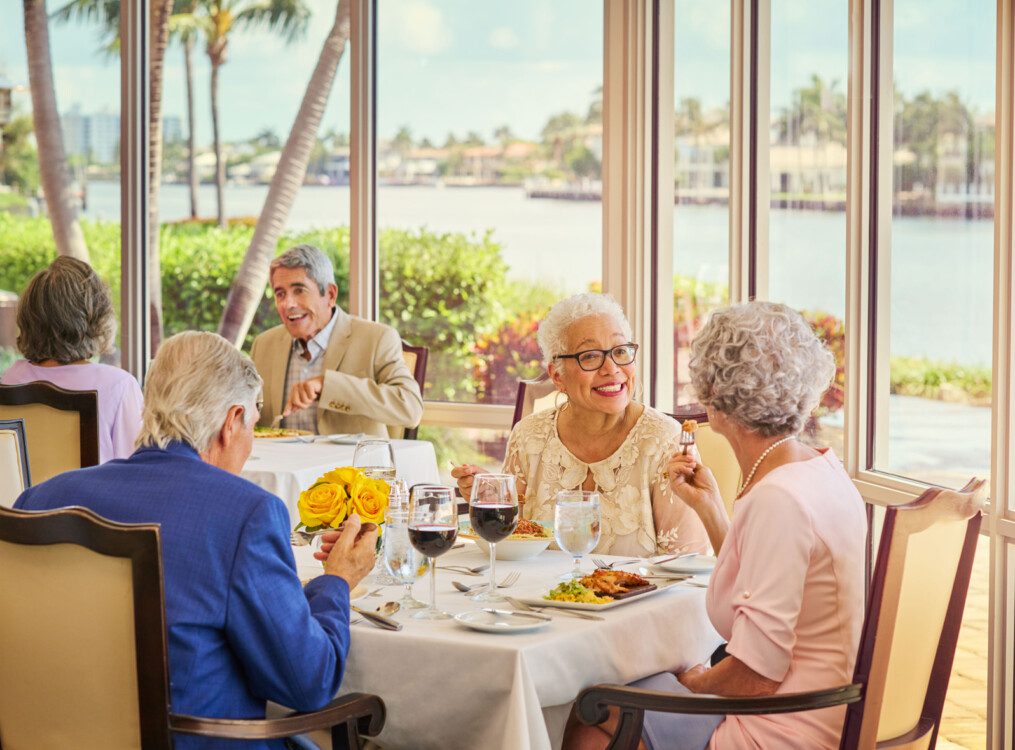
point(285, 468)
point(449, 687)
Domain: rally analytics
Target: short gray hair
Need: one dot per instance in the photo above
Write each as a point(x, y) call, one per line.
point(65, 314)
point(552, 333)
point(310, 259)
point(760, 364)
point(193, 381)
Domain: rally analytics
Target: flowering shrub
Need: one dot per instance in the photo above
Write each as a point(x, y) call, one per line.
point(507, 355)
point(832, 332)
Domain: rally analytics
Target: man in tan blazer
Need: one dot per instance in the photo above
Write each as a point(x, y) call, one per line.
point(325, 370)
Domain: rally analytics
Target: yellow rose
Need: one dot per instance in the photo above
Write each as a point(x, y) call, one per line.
point(369, 498)
point(343, 476)
point(324, 504)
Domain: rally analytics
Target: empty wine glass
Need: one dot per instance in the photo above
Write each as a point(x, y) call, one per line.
point(433, 527)
point(493, 513)
point(376, 458)
point(401, 559)
point(576, 521)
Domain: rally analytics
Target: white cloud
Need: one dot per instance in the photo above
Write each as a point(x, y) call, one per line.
point(420, 27)
point(503, 38)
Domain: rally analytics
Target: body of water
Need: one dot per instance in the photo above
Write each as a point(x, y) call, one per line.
point(940, 270)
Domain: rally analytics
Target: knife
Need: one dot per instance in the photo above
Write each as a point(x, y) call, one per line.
point(379, 620)
point(509, 613)
point(673, 557)
point(556, 610)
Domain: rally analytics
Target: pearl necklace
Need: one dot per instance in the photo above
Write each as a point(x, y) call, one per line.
point(764, 454)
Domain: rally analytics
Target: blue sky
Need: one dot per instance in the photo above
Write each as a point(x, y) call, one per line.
point(473, 65)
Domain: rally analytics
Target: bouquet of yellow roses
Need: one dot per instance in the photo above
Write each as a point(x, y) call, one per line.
point(338, 494)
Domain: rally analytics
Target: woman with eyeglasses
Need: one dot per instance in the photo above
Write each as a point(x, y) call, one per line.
point(599, 437)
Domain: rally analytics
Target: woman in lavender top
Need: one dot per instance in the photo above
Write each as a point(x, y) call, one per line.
point(65, 317)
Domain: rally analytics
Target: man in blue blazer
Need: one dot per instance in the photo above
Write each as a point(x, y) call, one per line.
point(242, 630)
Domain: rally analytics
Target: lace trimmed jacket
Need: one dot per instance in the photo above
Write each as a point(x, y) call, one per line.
point(630, 483)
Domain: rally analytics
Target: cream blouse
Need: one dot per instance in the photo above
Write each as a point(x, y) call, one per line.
point(630, 483)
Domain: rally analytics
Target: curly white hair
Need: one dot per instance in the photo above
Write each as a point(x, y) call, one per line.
point(552, 333)
point(760, 364)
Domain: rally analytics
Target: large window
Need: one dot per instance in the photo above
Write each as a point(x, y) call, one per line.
point(807, 182)
point(79, 115)
point(489, 142)
point(701, 173)
point(936, 263)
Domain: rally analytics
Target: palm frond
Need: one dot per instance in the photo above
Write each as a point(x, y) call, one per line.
point(288, 17)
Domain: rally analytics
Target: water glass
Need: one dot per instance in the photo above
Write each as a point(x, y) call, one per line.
point(433, 527)
point(376, 458)
point(493, 513)
point(576, 520)
point(401, 559)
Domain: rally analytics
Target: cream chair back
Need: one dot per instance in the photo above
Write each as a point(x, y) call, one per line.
point(535, 396)
point(14, 473)
point(717, 454)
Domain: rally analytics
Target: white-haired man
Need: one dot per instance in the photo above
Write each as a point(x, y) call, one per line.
point(325, 370)
point(242, 630)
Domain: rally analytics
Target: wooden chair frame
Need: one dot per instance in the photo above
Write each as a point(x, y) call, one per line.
point(347, 717)
point(867, 688)
point(419, 375)
point(524, 386)
point(85, 403)
point(17, 426)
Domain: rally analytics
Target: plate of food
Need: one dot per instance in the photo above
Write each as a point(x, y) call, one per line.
point(273, 433)
point(603, 589)
point(690, 564)
point(529, 539)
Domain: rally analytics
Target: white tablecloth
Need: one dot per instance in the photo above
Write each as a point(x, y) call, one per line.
point(286, 469)
point(449, 687)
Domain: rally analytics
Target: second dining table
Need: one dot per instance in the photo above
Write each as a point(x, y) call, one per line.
point(448, 687)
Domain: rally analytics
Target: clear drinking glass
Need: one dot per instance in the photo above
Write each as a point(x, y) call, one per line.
point(376, 458)
point(576, 520)
point(401, 559)
point(433, 527)
point(493, 513)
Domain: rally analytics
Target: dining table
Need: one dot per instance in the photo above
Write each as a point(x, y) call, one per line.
point(446, 686)
point(286, 467)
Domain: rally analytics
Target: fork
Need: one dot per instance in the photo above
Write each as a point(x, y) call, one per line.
point(507, 582)
point(601, 563)
point(476, 571)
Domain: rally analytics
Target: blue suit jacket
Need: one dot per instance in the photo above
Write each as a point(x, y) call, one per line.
point(242, 630)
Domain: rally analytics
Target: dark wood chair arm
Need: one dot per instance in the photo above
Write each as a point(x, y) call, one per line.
point(593, 703)
point(365, 709)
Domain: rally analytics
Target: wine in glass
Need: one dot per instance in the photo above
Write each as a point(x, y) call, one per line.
point(576, 521)
point(433, 527)
point(401, 559)
point(493, 513)
point(376, 458)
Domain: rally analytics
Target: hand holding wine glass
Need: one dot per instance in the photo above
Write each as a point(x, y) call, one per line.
point(493, 513)
point(433, 527)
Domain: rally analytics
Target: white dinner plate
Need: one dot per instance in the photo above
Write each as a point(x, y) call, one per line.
point(535, 598)
point(488, 622)
point(344, 439)
point(696, 564)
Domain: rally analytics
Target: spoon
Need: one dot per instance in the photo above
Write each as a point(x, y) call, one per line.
point(478, 570)
point(389, 608)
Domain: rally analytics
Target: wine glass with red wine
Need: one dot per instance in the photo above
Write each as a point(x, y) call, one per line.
point(433, 526)
point(493, 513)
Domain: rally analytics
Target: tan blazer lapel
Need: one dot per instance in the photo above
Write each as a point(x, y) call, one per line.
point(338, 344)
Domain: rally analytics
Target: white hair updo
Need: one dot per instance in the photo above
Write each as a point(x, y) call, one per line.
point(552, 333)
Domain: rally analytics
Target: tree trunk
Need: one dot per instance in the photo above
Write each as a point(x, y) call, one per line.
point(248, 287)
point(188, 66)
point(53, 172)
point(159, 38)
point(220, 167)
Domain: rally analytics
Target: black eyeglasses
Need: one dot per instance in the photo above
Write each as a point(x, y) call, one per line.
point(593, 359)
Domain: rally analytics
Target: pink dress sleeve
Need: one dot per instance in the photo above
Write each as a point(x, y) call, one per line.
point(775, 541)
point(127, 420)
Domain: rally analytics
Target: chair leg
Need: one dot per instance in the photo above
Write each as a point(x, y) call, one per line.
point(628, 733)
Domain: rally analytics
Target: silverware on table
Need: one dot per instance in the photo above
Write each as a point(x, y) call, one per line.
point(476, 571)
point(506, 582)
point(377, 619)
point(674, 557)
point(602, 564)
point(510, 613)
point(556, 610)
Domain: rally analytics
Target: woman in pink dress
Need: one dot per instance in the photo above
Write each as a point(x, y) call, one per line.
point(787, 590)
point(65, 317)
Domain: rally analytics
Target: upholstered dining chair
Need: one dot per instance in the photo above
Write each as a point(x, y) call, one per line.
point(15, 476)
point(907, 643)
point(534, 396)
point(715, 451)
point(61, 426)
point(416, 360)
point(83, 644)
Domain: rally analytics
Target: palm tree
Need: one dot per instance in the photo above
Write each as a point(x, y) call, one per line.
point(107, 13)
point(220, 17)
point(183, 25)
point(54, 175)
point(248, 287)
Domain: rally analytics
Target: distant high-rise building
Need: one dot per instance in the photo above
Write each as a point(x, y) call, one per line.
point(172, 129)
point(96, 137)
point(75, 132)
